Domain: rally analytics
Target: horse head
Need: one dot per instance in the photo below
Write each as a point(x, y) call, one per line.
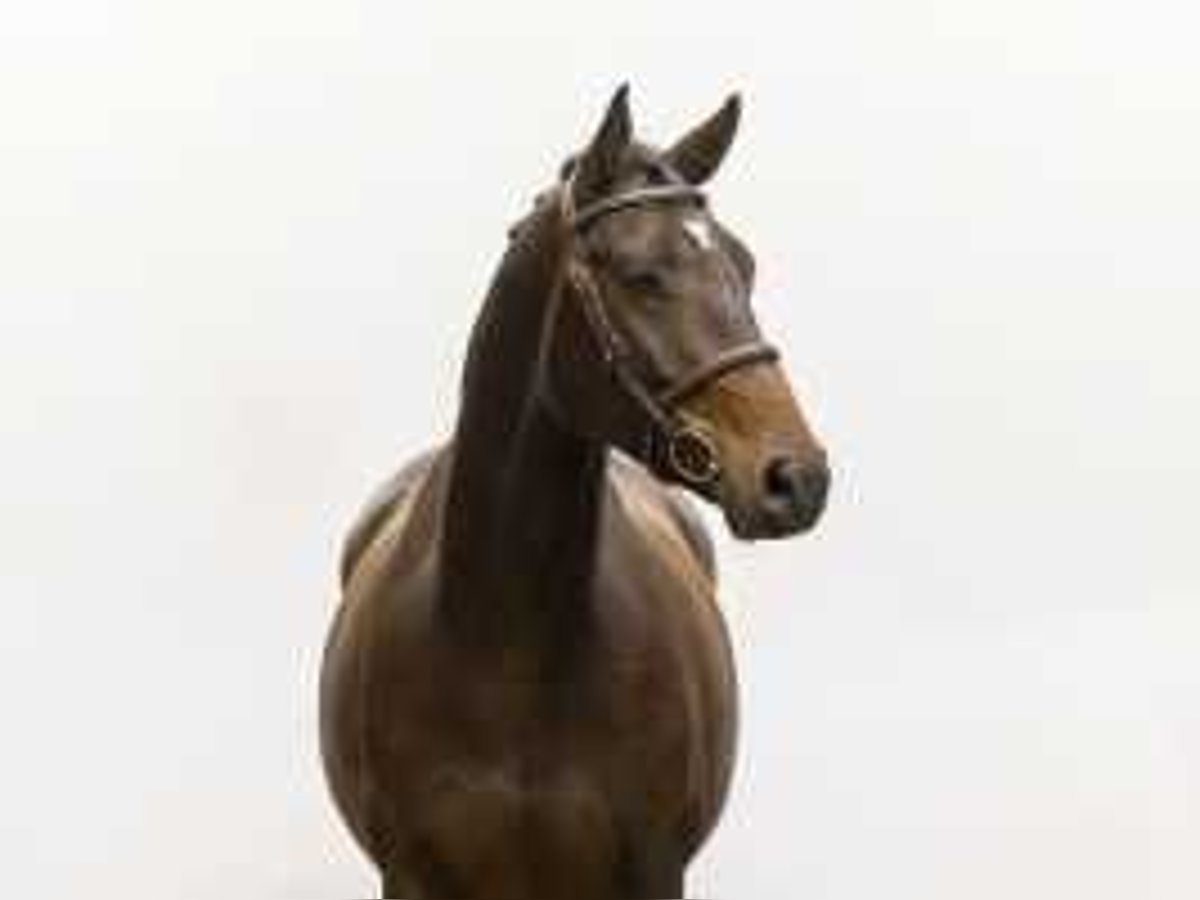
point(654, 347)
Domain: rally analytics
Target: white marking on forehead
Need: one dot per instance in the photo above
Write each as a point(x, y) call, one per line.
point(697, 229)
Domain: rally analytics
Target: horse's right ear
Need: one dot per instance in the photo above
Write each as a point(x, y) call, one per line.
point(596, 168)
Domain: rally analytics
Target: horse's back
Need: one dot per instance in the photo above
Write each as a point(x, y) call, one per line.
point(393, 498)
point(657, 509)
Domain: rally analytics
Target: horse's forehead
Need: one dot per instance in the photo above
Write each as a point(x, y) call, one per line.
point(655, 226)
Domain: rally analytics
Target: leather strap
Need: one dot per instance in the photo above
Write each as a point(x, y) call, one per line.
point(681, 447)
point(647, 196)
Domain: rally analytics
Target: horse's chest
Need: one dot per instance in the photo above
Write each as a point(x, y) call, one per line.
point(559, 782)
point(634, 723)
point(622, 726)
point(544, 837)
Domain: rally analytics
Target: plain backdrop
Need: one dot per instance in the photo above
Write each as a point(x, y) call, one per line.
point(242, 241)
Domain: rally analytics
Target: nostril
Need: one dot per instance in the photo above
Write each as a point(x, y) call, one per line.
point(800, 486)
point(782, 478)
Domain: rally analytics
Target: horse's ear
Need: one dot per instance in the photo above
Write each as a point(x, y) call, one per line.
point(698, 154)
point(596, 168)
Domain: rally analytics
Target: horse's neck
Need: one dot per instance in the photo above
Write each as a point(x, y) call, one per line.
point(522, 510)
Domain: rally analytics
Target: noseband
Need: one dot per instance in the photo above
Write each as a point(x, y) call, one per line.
point(683, 448)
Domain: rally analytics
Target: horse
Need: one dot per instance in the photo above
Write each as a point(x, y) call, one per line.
point(528, 689)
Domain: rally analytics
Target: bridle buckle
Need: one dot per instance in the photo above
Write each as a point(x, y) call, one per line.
point(692, 454)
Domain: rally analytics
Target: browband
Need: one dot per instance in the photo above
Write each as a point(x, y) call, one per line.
point(642, 197)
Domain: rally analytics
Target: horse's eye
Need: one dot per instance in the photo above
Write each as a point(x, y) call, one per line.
point(644, 281)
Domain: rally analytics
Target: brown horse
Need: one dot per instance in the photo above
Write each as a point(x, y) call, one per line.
point(528, 690)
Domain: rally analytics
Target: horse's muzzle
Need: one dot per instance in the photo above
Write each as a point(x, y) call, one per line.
point(791, 498)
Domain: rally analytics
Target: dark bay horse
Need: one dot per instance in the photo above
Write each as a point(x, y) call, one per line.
point(528, 690)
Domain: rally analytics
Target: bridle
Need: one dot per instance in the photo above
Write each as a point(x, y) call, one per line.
point(683, 448)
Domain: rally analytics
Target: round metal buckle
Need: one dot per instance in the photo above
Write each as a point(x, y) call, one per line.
point(692, 455)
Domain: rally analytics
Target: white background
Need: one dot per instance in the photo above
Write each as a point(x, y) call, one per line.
point(241, 242)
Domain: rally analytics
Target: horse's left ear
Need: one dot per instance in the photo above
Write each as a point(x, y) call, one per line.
point(699, 153)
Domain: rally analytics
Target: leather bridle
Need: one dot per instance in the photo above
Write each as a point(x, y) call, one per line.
point(683, 448)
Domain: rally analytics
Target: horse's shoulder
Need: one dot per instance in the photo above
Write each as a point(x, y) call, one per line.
point(662, 509)
point(391, 500)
